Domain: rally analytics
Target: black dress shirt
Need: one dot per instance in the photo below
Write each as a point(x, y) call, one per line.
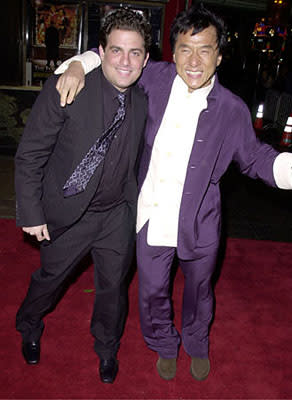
point(115, 166)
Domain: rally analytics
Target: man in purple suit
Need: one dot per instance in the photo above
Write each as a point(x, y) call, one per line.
point(195, 129)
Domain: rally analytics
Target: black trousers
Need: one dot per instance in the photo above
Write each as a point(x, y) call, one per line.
point(109, 237)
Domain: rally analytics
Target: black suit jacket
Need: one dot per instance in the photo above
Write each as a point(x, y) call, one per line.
point(54, 141)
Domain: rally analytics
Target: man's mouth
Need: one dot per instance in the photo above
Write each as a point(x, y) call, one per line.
point(194, 74)
point(124, 71)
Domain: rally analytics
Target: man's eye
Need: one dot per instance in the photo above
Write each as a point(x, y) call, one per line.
point(136, 53)
point(205, 52)
point(115, 51)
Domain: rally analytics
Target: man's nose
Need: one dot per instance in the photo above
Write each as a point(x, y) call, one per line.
point(125, 59)
point(195, 59)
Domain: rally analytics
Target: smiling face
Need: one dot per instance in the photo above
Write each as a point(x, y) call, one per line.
point(123, 58)
point(196, 57)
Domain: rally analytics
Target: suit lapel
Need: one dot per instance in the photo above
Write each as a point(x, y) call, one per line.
point(209, 138)
point(135, 126)
point(158, 103)
point(95, 109)
point(133, 116)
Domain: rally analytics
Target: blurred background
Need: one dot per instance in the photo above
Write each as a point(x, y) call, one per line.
point(37, 35)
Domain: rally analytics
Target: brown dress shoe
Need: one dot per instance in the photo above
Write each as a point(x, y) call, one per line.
point(166, 368)
point(200, 368)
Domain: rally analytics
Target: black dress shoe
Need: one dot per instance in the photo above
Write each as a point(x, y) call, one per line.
point(108, 370)
point(31, 352)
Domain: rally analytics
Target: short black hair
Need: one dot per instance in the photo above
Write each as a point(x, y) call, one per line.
point(198, 17)
point(125, 19)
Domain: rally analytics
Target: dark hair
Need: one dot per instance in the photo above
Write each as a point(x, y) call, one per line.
point(125, 19)
point(198, 18)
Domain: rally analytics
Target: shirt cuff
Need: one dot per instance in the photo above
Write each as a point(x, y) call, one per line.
point(282, 170)
point(89, 61)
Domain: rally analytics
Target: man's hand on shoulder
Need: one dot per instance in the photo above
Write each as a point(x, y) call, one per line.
point(70, 83)
point(40, 232)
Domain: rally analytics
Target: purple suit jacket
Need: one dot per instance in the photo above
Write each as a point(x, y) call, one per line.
point(224, 134)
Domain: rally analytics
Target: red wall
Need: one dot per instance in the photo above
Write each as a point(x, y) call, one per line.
point(173, 7)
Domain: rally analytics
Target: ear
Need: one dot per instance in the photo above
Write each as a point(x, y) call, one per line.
point(173, 57)
point(101, 52)
point(219, 59)
point(146, 59)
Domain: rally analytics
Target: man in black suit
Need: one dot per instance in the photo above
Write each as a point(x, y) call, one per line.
point(100, 217)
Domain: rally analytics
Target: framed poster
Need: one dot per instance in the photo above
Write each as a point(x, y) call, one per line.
point(55, 35)
point(63, 17)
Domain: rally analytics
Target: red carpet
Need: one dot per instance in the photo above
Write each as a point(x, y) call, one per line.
point(251, 337)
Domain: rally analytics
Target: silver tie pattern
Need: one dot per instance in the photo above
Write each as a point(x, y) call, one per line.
point(80, 177)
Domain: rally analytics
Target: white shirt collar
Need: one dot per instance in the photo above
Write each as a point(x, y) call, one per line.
point(202, 92)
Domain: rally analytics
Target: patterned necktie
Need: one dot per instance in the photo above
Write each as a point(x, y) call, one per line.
point(84, 171)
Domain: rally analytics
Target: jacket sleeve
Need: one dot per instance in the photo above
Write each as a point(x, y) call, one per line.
point(89, 59)
point(37, 143)
point(253, 157)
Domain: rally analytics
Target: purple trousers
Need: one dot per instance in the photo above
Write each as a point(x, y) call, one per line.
point(160, 334)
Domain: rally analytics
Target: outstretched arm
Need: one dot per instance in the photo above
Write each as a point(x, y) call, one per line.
point(73, 71)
